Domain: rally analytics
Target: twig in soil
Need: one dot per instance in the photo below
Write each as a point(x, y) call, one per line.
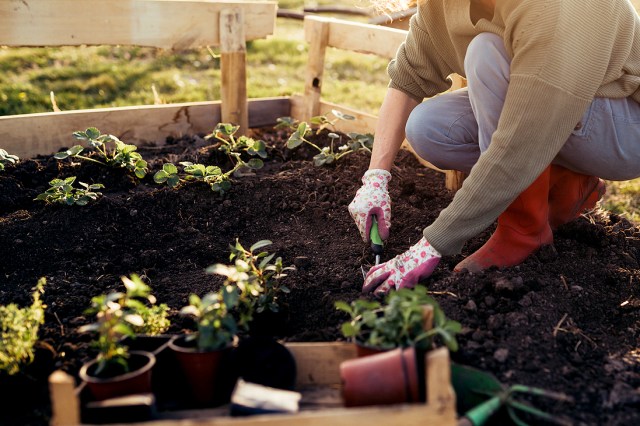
point(445, 293)
point(564, 282)
point(55, 314)
point(557, 327)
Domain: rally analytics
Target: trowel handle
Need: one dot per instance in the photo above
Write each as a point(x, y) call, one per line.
point(377, 246)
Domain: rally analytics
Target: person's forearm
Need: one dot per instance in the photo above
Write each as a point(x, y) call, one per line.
point(389, 133)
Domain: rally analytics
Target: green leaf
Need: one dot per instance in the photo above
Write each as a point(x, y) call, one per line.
point(341, 115)
point(260, 244)
point(255, 163)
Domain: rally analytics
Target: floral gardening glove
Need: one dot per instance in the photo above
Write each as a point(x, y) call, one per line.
point(372, 199)
point(404, 270)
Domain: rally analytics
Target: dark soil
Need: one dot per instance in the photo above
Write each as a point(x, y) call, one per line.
point(568, 319)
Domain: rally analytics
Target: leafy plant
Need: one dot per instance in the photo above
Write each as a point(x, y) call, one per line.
point(211, 175)
point(215, 323)
point(61, 191)
point(6, 158)
point(327, 154)
point(230, 144)
point(119, 155)
point(257, 277)
point(19, 331)
point(118, 315)
point(398, 322)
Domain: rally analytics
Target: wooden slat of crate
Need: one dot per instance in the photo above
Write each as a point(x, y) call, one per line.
point(31, 134)
point(173, 24)
point(317, 364)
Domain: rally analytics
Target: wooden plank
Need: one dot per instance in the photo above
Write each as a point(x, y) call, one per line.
point(31, 134)
point(362, 38)
point(319, 363)
point(440, 394)
point(317, 33)
point(405, 415)
point(65, 406)
point(233, 69)
point(172, 24)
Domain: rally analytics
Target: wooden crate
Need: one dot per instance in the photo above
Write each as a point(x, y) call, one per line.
point(318, 379)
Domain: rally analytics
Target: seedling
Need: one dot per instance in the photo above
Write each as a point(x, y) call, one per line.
point(216, 325)
point(211, 175)
point(256, 277)
point(230, 144)
point(117, 316)
point(61, 191)
point(120, 155)
point(398, 322)
point(19, 331)
point(6, 159)
point(328, 154)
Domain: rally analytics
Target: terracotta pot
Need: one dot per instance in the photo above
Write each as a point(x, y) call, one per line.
point(137, 380)
point(364, 350)
point(391, 377)
point(210, 384)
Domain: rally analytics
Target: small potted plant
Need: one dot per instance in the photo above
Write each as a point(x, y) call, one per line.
point(393, 338)
point(398, 321)
point(116, 371)
point(201, 354)
point(258, 278)
point(20, 347)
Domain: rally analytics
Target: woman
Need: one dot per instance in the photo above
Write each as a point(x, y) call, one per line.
point(552, 105)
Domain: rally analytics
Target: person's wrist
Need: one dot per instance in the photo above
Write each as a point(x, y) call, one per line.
point(376, 175)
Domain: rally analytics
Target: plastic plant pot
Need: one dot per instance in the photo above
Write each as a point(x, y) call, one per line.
point(136, 380)
point(204, 372)
point(387, 378)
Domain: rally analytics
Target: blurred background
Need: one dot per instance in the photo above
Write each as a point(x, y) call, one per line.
point(46, 79)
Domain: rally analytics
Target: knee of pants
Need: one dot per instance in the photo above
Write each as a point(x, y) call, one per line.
point(431, 139)
point(486, 50)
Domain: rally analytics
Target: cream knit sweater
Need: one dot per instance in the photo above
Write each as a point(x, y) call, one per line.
point(564, 53)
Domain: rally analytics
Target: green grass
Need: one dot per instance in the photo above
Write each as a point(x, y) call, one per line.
point(95, 77)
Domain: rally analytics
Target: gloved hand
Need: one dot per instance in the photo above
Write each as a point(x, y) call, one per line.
point(404, 270)
point(372, 199)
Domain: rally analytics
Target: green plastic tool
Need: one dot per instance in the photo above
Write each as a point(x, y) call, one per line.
point(377, 246)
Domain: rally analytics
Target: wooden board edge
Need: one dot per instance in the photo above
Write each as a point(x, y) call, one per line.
point(29, 135)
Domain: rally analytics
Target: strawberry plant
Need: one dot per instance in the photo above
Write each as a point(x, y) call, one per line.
point(118, 315)
point(230, 144)
point(211, 175)
point(61, 191)
point(19, 331)
point(6, 159)
point(337, 149)
point(119, 155)
point(398, 321)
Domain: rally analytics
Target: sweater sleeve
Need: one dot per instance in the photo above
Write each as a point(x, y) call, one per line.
point(561, 52)
point(418, 70)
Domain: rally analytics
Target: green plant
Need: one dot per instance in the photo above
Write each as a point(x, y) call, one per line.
point(118, 315)
point(216, 326)
point(398, 322)
point(257, 277)
point(120, 155)
point(61, 191)
point(6, 158)
point(19, 331)
point(211, 175)
point(230, 145)
point(327, 154)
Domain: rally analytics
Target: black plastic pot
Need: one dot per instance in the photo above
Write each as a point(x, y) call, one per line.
point(262, 360)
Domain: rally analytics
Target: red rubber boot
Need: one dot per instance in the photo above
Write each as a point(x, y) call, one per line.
point(522, 229)
point(570, 194)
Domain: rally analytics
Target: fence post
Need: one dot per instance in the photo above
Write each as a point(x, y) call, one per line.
point(317, 35)
point(233, 69)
